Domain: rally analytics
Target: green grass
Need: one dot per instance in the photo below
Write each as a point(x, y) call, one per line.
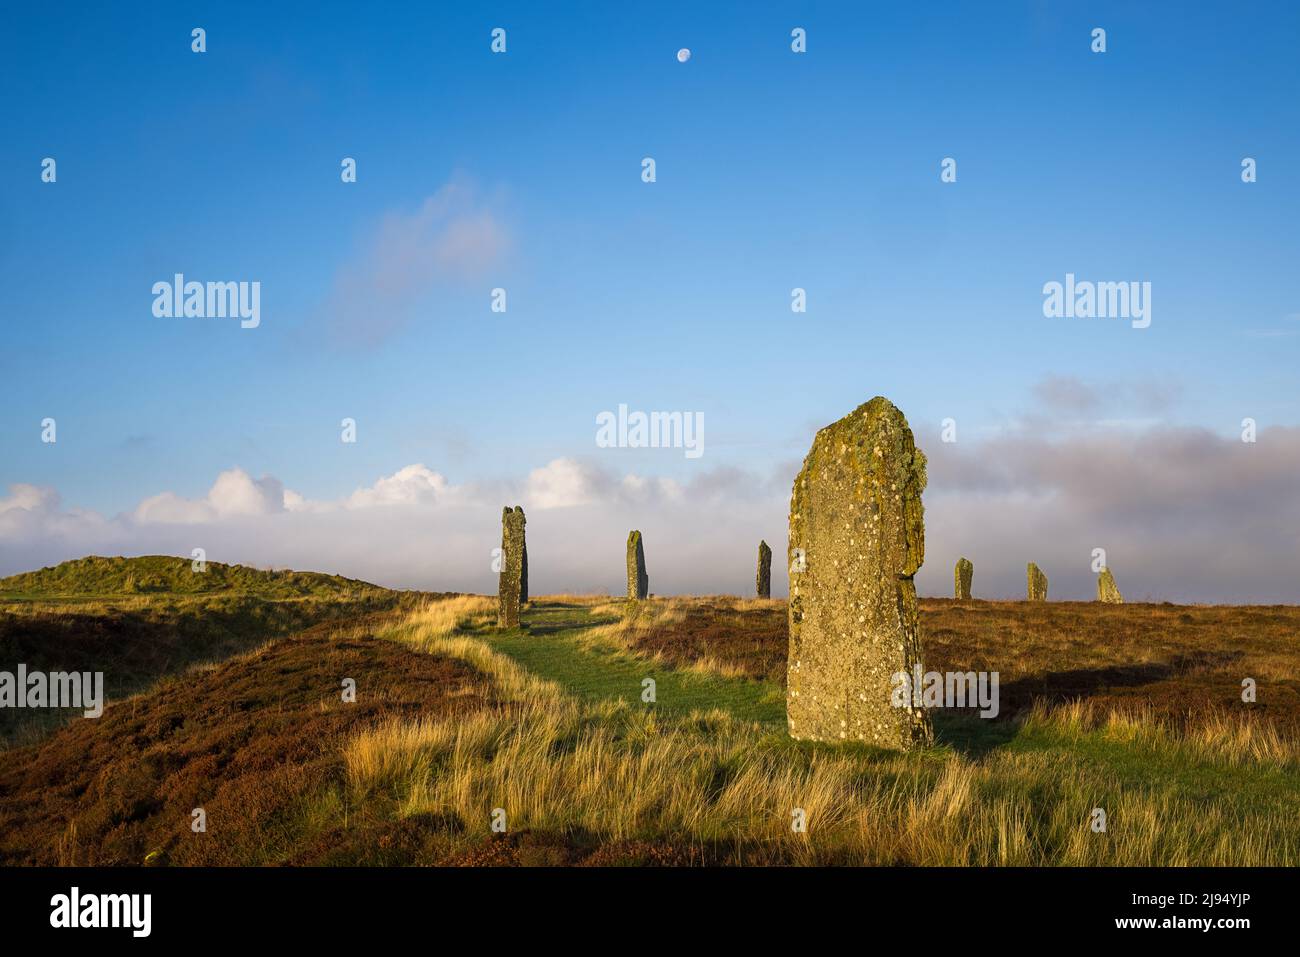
point(1128, 764)
point(551, 647)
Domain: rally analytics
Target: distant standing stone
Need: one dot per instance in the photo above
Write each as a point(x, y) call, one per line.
point(1107, 590)
point(512, 586)
point(1036, 583)
point(961, 579)
point(764, 582)
point(857, 538)
point(638, 582)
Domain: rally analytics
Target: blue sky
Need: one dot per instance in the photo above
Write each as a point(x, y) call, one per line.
point(774, 170)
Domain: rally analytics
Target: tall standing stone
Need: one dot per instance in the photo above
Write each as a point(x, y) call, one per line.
point(857, 538)
point(1035, 583)
point(512, 586)
point(763, 583)
point(638, 582)
point(961, 579)
point(1107, 590)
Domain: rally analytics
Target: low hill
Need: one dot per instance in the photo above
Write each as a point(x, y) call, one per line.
point(96, 576)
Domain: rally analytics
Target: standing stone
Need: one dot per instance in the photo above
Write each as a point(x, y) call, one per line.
point(638, 582)
point(857, 538)
point(512, 586)
point(764, 581)
point(961, 579)
point(1036, 583)
point(1107, 590)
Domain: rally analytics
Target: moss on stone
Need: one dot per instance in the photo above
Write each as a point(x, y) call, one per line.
point(857, 523)
point(1035, 583)
point(1107, 590)
point(961, 579)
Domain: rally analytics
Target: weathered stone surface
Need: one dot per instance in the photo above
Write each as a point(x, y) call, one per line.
point(1035, 583)
point(763, 584)
point(638, 582)
point(857, 538)
point(1107, 590)
point(961, 579)
point(512, 586)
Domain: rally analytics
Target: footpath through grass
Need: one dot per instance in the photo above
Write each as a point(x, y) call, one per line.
point(552, 647)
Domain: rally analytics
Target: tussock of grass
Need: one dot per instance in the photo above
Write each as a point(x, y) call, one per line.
point(1216, 736)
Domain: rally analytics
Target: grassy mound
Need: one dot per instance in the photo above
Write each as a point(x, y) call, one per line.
point(95, 576)
point(139, 619)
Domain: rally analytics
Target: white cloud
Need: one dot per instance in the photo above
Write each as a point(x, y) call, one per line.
point(563, 483)
point(30, 498)
point(454, 236)
point(566, 483)
point(413, 485)
point(1184, 515)
point(234, 493)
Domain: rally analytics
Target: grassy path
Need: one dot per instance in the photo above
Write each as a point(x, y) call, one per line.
point(553, 648)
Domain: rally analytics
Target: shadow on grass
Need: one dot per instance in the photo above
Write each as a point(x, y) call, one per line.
point(552, 617)
point(970, 735)
point(1083, 683)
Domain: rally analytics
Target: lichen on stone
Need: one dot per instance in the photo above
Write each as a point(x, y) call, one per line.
point(962, 576)
point(1107, 590)
point(1035, 583)
point(857, 538)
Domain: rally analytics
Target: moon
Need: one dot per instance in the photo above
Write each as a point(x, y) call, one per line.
point(683, 55)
